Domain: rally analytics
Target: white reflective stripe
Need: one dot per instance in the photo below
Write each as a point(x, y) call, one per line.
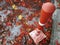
point(41, 24)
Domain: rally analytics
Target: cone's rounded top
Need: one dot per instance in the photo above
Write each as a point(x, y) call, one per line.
point(48, 7)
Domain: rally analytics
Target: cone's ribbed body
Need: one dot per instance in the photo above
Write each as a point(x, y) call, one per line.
point(46, 12)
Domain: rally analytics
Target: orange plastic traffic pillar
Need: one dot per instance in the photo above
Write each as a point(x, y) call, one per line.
point(46, 12)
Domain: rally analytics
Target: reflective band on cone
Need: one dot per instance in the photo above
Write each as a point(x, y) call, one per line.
point(41, 24)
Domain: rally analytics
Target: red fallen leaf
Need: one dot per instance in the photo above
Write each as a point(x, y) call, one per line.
point(17, 43)
point(36, 14)
point(8, 24)
point(47, 26)
point(18, 38)
point(58, 23)
point(4, 41)
point(1, 0)
point(57, 43)
point(40, 44)
point(48, 34)
point(35, 0)
point(28, 6)
point(59, 5)
point(40, 3)
point(1, 8)
point(32, 26)
point(48, 0)
point(5, 12)
point(17, 23)
point(36, 23)
point(7, 0)
point(22, 34)
point(57, 0)
point(16, 0)
point(41, 28)
point(22, 29)
point(29, 41)
point(23, 4)
point(44, 41)
point(9, 33)
point(30, 17)
point(18, 11)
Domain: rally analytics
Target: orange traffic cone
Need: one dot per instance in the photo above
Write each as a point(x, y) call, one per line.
point(46, 12)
